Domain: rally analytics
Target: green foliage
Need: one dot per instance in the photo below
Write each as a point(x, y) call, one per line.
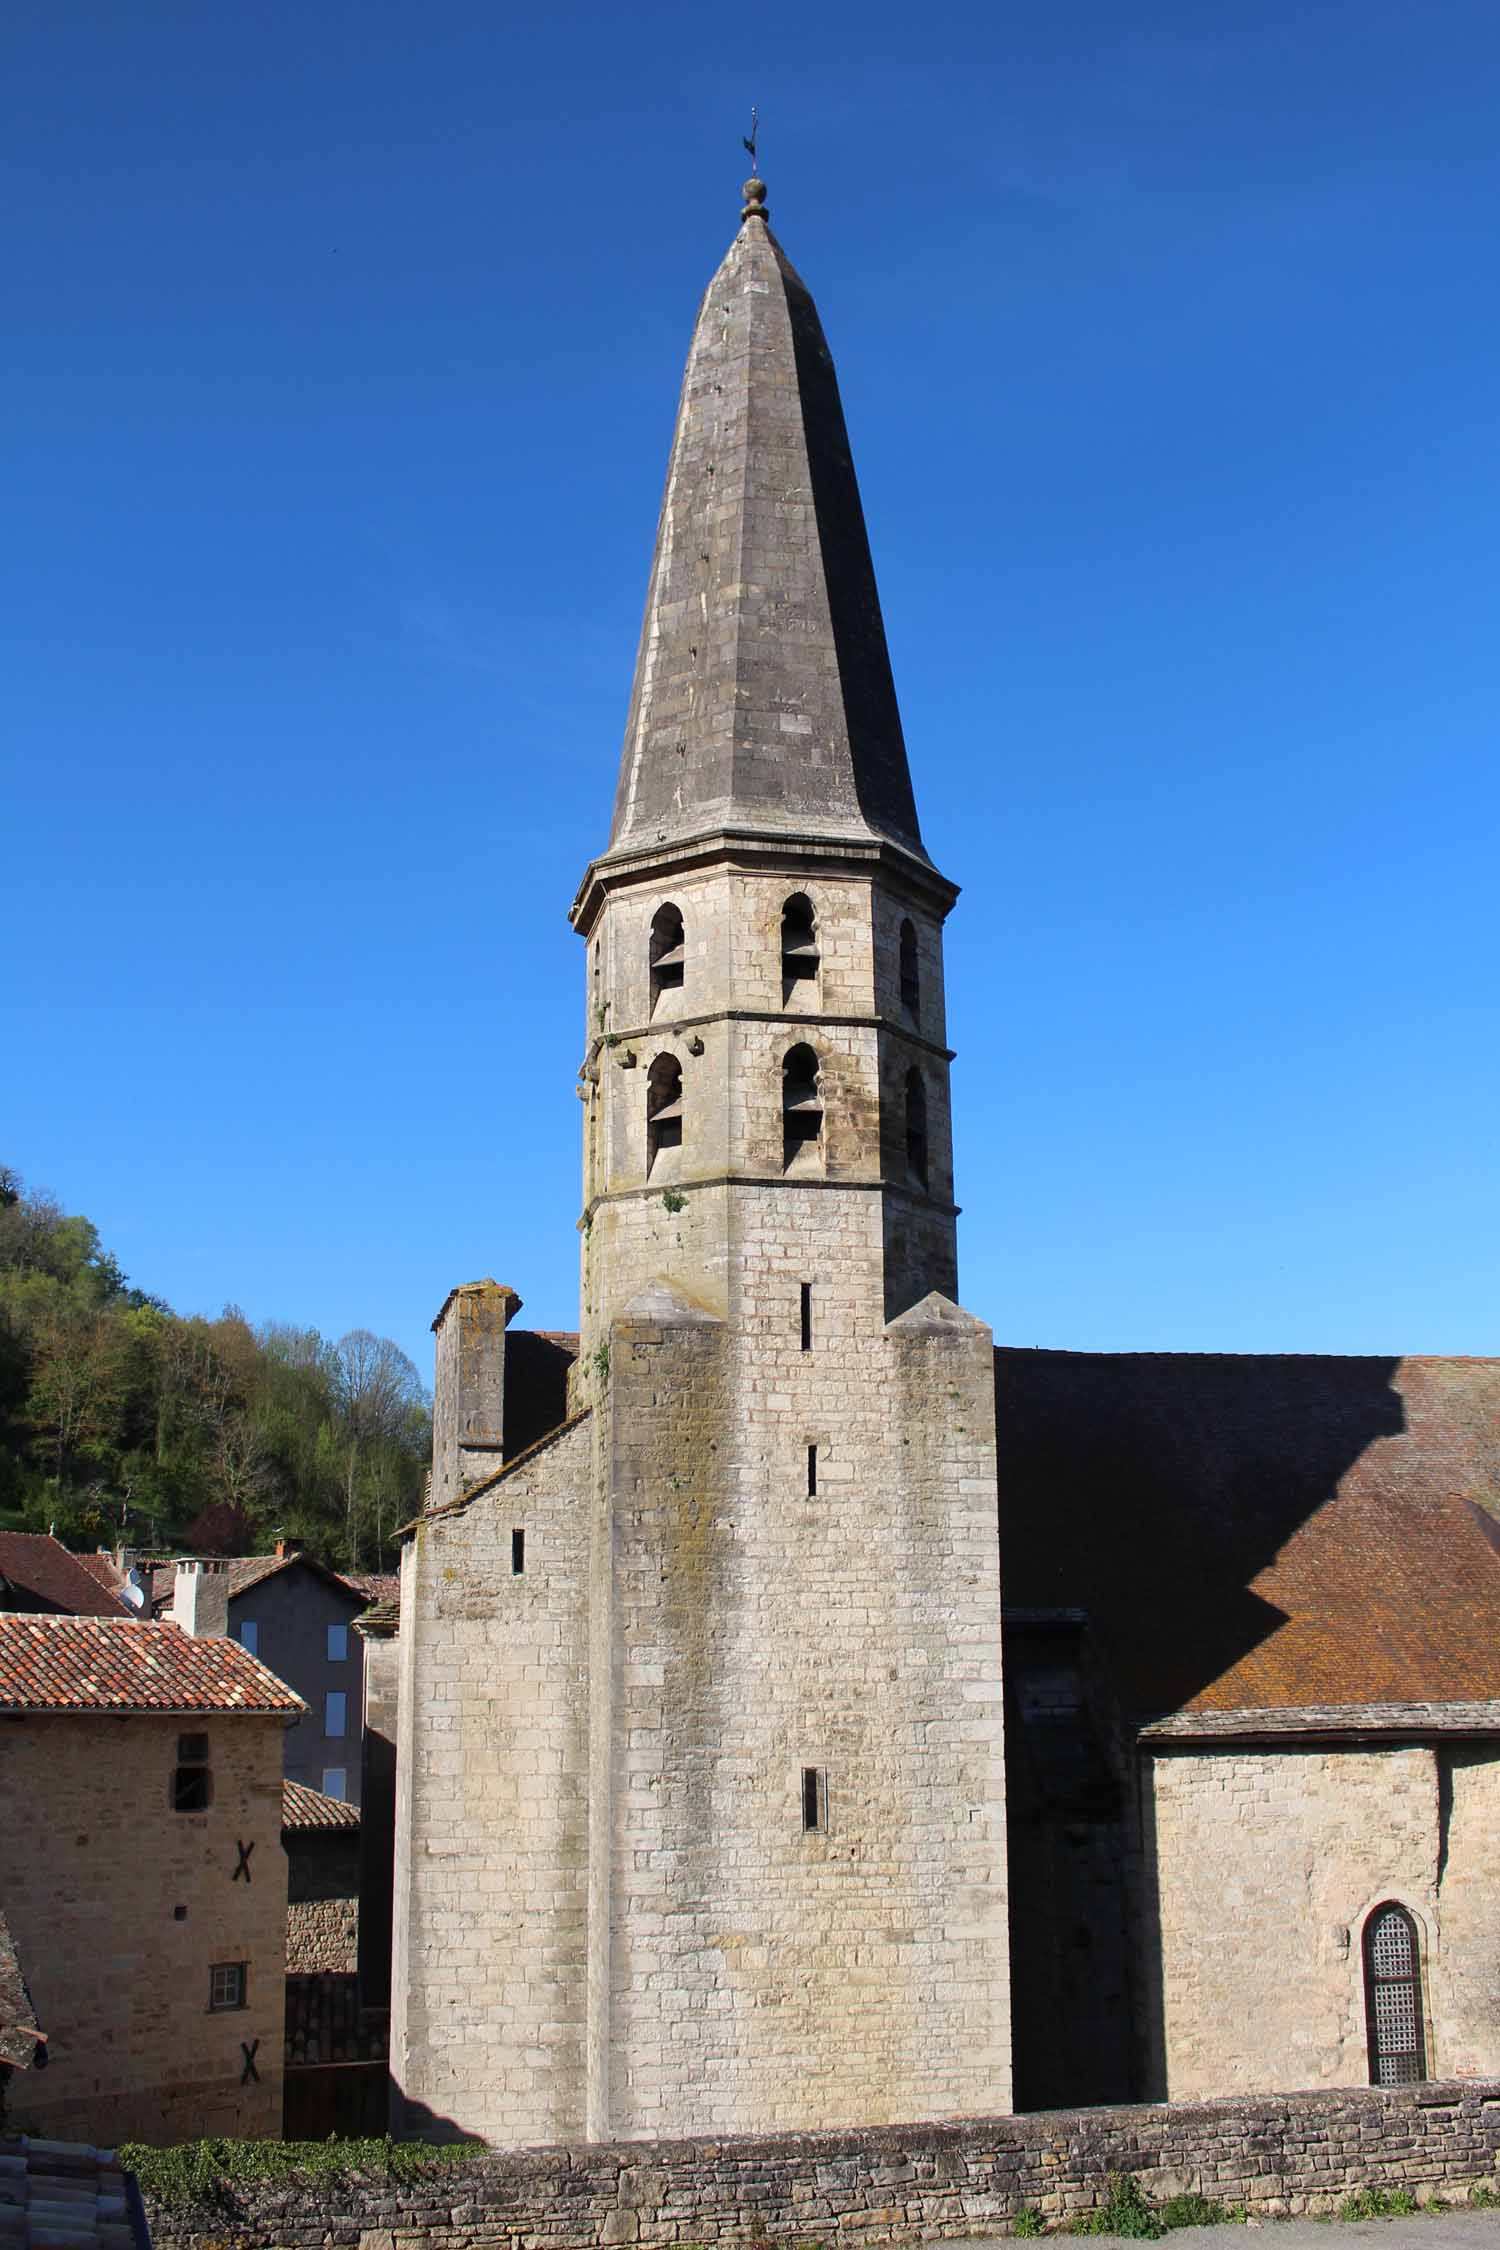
point(672, 1201)
point(204, 2171)
point(1379, 2203)
point(1125, 2211)
point(1482, 2198)
point(1028, 2223)
point(1198, 2211)
point(120, 1423)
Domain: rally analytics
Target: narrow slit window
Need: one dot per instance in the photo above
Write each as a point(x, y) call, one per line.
point(911, 984)
point(335, 1713)
point(916, 1129)
point(668, 952)
point(801, 1108)
point(663, 1108)
point(800, 954)
point(814, 1799)
point(812, 1472)
point(807, 1316)
point(1393, 1998)
point(517, 1553)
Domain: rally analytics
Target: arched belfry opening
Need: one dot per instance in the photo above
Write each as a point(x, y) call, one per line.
point(663, 1108)
point(1393, 1997)
point(667, 952)
point(916, 1129)
point(911, 981)
point(801, 1110)
point(800, 955)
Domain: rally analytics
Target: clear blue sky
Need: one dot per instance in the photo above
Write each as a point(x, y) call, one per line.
point(341, 347)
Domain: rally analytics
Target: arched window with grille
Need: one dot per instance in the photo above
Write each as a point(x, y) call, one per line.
point(1393, 1997)
point(667, 953)
point(916, 1129)
point(911, 983)
point(801, 1109)
point(800, 954)
point(663, 1108)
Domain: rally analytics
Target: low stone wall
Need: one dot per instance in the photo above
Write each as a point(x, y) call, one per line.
point(1281, 2153)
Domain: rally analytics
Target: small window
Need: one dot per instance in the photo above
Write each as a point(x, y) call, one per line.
point(807, 1316)
point(916, 1129)
point(801, 1108)
point(814, 1798)
point(250, 1636)
point(517, 1553)
point(338, 1644)
point(333, 1712)
point(911, 988)
point(812, 1472)
point(192, 1788)
point(663, 1108)
point(1393, 1998)
point(227, 1984)
point(800, 956)
point(336, 1782)
point(668, 953)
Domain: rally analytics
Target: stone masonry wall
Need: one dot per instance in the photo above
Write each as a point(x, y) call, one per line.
point(120, 1906)
point(1276, 2154)
point(322, 1910)
point(488, 2010)
point(1267, 1865)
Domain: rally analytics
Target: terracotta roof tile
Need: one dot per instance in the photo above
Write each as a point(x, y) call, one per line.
point(98, 1664)
point(1258, 1533)
point(54, 2192)
point(375, 1585)
point(43, 1568)
point(303, 1808)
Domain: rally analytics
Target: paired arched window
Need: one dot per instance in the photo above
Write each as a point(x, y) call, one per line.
point(1393, 1998)
point(801, 1107)
point(668, 954)
point(916, 1129)
point(800, 957)
point(663, 1107)
point(911, 982)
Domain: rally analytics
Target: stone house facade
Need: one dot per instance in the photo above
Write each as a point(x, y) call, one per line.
point(715, 1811)
point(143, 1878)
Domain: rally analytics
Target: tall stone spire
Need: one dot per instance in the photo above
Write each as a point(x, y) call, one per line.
point(763, 694)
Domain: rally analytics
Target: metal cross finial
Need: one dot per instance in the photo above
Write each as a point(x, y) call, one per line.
point(750, 143)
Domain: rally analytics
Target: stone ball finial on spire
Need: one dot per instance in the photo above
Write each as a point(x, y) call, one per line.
point(754, 192)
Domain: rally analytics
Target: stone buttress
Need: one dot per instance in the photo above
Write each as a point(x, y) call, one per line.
point(702, 1819)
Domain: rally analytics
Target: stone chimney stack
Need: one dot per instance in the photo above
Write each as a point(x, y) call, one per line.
point(468, 1392)
point(200, 1599)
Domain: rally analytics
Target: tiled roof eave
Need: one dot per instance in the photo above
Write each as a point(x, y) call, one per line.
point(1388, 1721)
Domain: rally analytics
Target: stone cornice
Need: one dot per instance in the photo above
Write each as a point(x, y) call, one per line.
point(766, 851)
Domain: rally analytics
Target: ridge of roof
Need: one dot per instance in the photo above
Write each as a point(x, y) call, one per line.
point(42, 1566)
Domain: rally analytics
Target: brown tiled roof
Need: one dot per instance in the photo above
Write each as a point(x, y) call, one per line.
point(1257, 1534)
point(303, 1808)
point(54, 2192)
point(324, 2023)
point(118, 1664)
point(43, 1568)
point(375, 1585)
point(242, 1572)
point(20, 2035)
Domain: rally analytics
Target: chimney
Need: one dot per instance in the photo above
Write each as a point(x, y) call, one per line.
point(285, 1547)
point(468, 1395)
point(200, 1599)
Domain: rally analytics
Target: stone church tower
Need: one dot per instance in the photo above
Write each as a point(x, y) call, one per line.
point(701, 1819)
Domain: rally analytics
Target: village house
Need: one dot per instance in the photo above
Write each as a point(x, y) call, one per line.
point(142, 1877)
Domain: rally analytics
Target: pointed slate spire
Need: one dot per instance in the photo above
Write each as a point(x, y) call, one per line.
point(763, 693)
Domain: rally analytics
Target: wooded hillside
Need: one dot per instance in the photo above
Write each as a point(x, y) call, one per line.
point(120, 1421)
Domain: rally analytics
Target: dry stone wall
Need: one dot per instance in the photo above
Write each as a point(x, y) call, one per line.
point(1278, 2154)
